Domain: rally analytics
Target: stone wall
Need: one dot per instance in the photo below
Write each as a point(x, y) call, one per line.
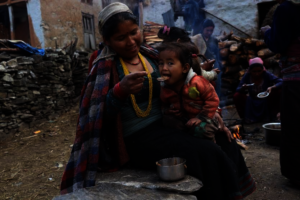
point(62, 19)
point(33, 88)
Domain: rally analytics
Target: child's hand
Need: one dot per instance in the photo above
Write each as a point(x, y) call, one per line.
point(193, 122)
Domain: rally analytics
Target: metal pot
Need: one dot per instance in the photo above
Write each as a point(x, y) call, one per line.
point(171, 169)
point(272, 133)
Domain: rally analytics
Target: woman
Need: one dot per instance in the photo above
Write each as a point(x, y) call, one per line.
point(284, 38)
point(256, 80)
point(212, 51)
point(120, 118)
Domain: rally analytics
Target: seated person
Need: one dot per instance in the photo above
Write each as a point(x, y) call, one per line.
point(249, 106)
point(186, 91)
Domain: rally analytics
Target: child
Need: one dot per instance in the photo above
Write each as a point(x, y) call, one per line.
point(185, 94)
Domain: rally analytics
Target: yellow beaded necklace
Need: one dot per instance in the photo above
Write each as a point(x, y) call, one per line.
point(137, 110)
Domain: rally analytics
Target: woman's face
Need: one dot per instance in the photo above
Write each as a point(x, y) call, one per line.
point(126, 40)
point(208, 31)
point(256, 72)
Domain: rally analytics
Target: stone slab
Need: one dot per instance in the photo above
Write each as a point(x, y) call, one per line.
point(118, 192)
point(149, 180)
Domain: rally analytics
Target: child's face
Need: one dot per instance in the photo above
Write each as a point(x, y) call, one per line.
point(171, 67)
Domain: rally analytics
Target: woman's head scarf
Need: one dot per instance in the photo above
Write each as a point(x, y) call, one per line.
point(255, 62)
point(109, 11)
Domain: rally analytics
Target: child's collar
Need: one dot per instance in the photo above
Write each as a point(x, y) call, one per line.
point(189, 76)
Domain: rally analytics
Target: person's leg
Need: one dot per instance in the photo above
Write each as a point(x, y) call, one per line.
point(274, 103)
point(290, 134)
point(239, 100)
point(205, 160)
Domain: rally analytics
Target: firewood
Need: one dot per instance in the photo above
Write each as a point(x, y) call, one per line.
point(271, 61)
point(235, 47)
point(242, 145)
point(251, 52)
point(250, 57)
point(154, 40)
point(232, 69)
point(227, 43)
point(260, 43)
point(264, 53)
point(225, 36)
point(153, 23)
point(233, 59)
point(238, 52)
point(251, 41)
point(237, 38)
point(224, 52)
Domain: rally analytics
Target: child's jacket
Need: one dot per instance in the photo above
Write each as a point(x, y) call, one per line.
point(197, 97)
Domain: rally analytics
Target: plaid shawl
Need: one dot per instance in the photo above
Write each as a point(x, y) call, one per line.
point(82, 167)
point(92, 142)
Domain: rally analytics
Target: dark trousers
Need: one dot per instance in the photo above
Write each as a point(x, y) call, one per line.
point(290, 134)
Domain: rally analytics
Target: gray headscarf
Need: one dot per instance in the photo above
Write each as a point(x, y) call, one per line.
point(109, 11)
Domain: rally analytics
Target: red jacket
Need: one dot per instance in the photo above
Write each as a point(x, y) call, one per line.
point(198, 96)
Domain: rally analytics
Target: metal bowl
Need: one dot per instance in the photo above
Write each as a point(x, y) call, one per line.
point(171, 169)
point(272, 133)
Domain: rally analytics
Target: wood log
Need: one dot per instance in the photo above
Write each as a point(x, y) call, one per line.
point(225, 36)
point(243, 60)
point(237, 38)
point(251, 52)
point(271, 61)
point(153, 23)
point(227, 43)
point(233, 59)
point(238, 52)
point(154, 40)
point(260, 43)
point(232, 69)
point(264, 53)
point(224, 52)
point(242, 145)
point(235, 47)
point(250, 57)
point(241, 73)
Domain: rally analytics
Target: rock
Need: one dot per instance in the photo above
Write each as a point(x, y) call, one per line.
point(12, 63)
point(150, 180)
point(119, 192)
point(2, 68)
point(7, 78)
point(3, 95)
point(25, 60)
point(26, 116)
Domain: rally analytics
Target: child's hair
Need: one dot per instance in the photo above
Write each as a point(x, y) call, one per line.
point(172, 34)
point(185, 52)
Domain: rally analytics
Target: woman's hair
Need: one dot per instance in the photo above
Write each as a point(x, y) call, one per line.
point(185, 52)
point(110, 26)
point(208, 23)
point(173, 34)
point(255, 65)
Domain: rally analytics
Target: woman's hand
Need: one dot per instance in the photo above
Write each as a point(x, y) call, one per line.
point(223, 128)
point(269, 89)
point(132, 83)
point(193, 122)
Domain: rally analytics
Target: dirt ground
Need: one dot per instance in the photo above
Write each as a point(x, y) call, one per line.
point(31, 167)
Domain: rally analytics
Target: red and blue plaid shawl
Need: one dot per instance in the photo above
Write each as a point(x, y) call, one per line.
point(89, 145)
point(82, 167)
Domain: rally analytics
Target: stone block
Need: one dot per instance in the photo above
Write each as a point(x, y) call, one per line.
point(119, 192)
point(12, 63)
point(25, 60)
point(7, 78)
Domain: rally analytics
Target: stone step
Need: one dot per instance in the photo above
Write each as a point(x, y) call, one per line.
point(111, 191)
